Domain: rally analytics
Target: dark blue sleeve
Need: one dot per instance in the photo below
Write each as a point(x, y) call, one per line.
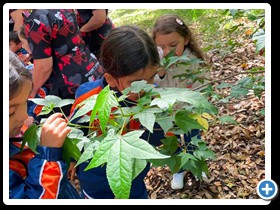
point(46, 179)
point(45, 170)
point(16, 185)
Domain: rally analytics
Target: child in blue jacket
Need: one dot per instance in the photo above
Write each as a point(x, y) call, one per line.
point(31, 175)
point(128, 54)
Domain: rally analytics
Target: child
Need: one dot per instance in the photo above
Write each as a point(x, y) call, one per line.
point(171, 33)
point(16, 46)
point(35, 175)
point(123, 65)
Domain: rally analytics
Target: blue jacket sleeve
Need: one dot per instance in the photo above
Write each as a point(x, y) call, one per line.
point(46, 178)
point(46, 171)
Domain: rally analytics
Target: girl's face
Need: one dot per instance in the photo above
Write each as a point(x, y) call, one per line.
point(14, 46)
point(171, 41)
point(122, 83)
point(18, 110)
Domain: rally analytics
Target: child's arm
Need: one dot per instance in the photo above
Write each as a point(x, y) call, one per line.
point(47, 169)
point(17, 18)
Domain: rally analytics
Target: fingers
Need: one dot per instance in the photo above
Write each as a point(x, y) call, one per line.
point(54, 131)
point(62, 129)
point(54, 124)
point(52, 118)
point(58, 122)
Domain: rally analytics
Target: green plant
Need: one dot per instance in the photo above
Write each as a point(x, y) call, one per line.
point(171, 60)
point(176, 111)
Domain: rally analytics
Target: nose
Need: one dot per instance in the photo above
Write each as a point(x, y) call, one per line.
point(166, 51)
point(22, 114)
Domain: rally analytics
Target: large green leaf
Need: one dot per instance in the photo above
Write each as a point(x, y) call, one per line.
point(46, 109)
point(165, 123)
point(88, 152)
point(162, 103)
point(244, 82)
point(196, 167)
point(191, 165)
point(186, 123)
point(76, 133)
point(238, 91)
point(104, 103)
point(173, 163)
point(127, 110)
point(50, 102)
point(119, 171)
point(144, 100)
point(139, 148)
point(84, 107)
point(224, 85)
point(81, 142)
point(138, 167)
point(185, 158)
point(119, 151)
point(202, 167)
point(204, 154)
point(147, 117)
point(199, 143)
point(170, 144)
point(226, 118)
point(102, 153)
point(171, 95)
point(182, 60)
point(260, 37)
point(137, 86)
point(70, 150)
point(31, 137)
point(55, 100)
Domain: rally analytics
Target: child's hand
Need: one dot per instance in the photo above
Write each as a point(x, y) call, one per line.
point(71, 171)
point(54, 131)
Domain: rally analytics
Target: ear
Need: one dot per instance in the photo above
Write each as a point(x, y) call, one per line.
point(110, 80)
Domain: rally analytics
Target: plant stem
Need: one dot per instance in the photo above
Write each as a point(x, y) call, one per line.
point(218, 80)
